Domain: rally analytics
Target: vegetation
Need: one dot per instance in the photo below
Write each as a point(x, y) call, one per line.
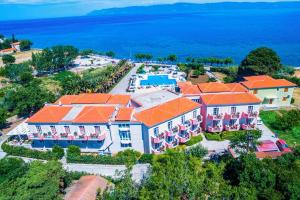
point(181, 175)
point(141, 70)
point(16, 71)
point(262, 60)
point(197, 151)
point(194, 140)
point(55, 154)
point(143, 56)
point(230, 135)
point(127, 157)
point(36, 180)
point(54, 59)
point(25, 45)
point(8, 59)
point(284, 123)
point(230, 72)
point(110, 54)
point(212, 61)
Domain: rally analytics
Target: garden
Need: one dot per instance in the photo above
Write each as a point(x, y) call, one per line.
point(284, 123)
point(229, 135)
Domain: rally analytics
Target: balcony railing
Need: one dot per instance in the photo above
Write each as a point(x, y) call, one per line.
point(171, 144)
point(158, 150)
point(252, 114)
point(234, 115)
point(216, 117)
point(214, 129)
point(158, 138)
point(248, 126)
point(232, 127)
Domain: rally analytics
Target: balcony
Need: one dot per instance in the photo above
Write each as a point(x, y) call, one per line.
point(215, 129)
point(216, 117)
point(171, 144)
point(232, 127)
point(232, 115)
point(159, 138)
point(252, 114)
point(97, 136)
point(248, 126)
point(158, 150)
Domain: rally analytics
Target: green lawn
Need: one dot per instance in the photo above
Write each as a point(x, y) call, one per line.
point(292, 137)
point(227, 135)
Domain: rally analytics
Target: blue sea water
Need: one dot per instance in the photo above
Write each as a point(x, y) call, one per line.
point(158, 80)
point(212, 33)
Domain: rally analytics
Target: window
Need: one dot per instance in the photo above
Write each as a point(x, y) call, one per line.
point(196, 100)
point(53, 130)
point(97, 129)
point(125, 135)
point(270, 101)
point(182, 119)
point(67, 129)
point(250, 109)
point(284, 98)
point(124, 126)
point(156, 131)
point(216, 111)
point(170, 125)
point(39, 129)
point(82, 130)
point(286, 89)
point(254, 91)
point(233, 110)
point(194, 113)
point(231, 122)
point(126, 145)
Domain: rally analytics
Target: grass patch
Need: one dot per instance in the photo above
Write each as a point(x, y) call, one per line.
point(194, 140)
point(292, 136)
point(213, 136)
point(227, 135)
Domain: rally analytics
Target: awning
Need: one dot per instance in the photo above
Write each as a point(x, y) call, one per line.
point(271, 97)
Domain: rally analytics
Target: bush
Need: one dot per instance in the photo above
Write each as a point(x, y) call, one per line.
point(146, 158)
point(213, 136)
point(58, 151)
point(30, 153)
point(287, 120)
point(197, 151)
point(194, 140)
point(127, 157)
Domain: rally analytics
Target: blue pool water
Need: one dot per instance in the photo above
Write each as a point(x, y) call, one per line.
point(158, 80)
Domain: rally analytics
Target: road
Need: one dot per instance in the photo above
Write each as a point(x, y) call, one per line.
point(121, 87)
point(2, 139)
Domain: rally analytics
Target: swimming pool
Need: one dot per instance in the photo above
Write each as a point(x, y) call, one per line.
point(158, 80)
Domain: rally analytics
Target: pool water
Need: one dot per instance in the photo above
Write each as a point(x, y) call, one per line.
point(158, 80)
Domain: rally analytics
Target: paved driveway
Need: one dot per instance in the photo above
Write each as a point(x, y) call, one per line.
point(121, 87)
point(267, 134)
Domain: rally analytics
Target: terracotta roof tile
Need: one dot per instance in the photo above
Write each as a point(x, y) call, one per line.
point(95, 114)
point(256, 82)
point(236, 87)
point(9, 49)
point(166, 111)
point(94, 98)
point(213, 87)
point(119, 99)
point(50, 114)
point(124, 114)
point(188, 88)
point(229, 99)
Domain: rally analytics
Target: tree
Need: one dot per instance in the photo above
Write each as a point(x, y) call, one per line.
point(3, 117)
point(110, 54)
point(262, 60)
point(8, 59)
point(87, 52)
point(172, 58)
point(244, 142)
point(15, 71)
point(197, 151)
point(25, 45)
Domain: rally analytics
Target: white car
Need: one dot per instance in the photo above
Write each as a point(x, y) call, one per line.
point(259, 121)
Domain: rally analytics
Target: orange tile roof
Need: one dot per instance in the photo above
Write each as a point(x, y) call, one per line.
point(229, 99)
point(213, 87)
point(188, 88)
point(9, 49)
point(236, 87)
point(119, 99)
point(124, 114)
point(95, 114)
point(50, 114)
point(253, 82)
point(271, 154)
point(166, 111)
point(94, 98)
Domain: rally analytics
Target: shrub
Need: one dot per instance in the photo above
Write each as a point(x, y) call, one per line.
point(287, 120)
point(30, 153)
point(127, 157)
point(194, 140)
point(58, 151)
point(146, 158)
point(197, 151)
point(213, 136)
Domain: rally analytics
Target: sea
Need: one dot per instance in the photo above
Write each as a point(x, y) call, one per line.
point(200, 34)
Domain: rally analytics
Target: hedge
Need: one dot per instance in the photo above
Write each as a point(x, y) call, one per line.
point(227, 135)
point(55, 154)
point(124, 157)
point(194, 140)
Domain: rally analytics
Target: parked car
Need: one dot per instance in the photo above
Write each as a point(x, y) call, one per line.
point(283, 146)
